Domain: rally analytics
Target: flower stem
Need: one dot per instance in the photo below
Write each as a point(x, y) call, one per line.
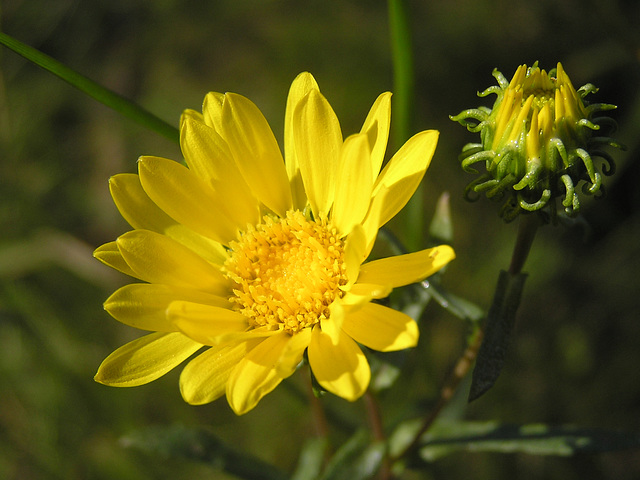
point(317, 411)
point(501, 317)
point(526, 233)
point(375, 420)
point(527, 229)
point(462, 367)
point(403, 90)
point(401, 53)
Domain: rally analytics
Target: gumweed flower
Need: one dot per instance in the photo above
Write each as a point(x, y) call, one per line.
point(538, 143)
point(255, 262)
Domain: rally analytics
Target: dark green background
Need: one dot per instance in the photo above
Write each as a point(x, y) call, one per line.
point(574, 359)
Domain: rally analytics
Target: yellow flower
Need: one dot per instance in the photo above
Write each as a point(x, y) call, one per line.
point(254, 260)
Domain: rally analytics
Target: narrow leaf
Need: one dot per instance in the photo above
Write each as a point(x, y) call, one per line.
point(535, 439)
point(461, 308)
point(103, 95)
point(500, 321)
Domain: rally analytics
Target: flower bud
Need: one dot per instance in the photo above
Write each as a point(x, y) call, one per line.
point(538, 143)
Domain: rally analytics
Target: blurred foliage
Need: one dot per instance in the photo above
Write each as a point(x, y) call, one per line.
point(574, 350)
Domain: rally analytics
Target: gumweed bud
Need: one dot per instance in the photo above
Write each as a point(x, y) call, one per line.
point(538, 143)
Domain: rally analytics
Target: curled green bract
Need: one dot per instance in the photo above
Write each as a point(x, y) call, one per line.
point(537, 143)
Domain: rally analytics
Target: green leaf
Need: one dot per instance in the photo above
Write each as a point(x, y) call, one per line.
point(385, 368)
point(457, 306)
point(311, 459)
point(441, 227)
point(357, 459)
point(446, 438)
point(199, 444)
point(500, 321)
point(103, 95)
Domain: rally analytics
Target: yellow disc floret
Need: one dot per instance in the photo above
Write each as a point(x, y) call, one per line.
point(287, 272)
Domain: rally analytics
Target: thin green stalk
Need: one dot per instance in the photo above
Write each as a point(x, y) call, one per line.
point(501, 317)
point(318, 413)
point(375, 420)
point(402, 57)
point(462, 367)
point(103, 95)
point(526, 234)
point(527, 229)
point(403, 90)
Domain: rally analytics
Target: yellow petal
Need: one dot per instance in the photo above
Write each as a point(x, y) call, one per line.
point(191, 114)
point(353, 189)
point(381, 328)
point(405, 269)
point(302, 85)
point(332, 326)
point(354, 253)
point(209, 157)
point(204, 379)
point(186, 198)
point(256, 374)
point(256, 152)
point(134, 204)
point(145, 359)
point(342, 369)
point(205, 152)
point(212, 110)
point(371, 223)
point(139, 210)
point(156, 258)
point(111, 257)
point(402, 175)
point(318, 140)
point(376, 126)
point(144, 305)
point(207, 324)
point(361, 293)
point(292, 353)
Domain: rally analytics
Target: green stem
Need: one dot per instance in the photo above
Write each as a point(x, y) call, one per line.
point(103, 95)
point(317, 410)
point(401, 54)
point(501, 317)
point(375, 420)
point(526, 233)
point(462, 367)
point(403, 90)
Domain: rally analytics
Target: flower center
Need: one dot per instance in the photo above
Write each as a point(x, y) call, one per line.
point(287, 272)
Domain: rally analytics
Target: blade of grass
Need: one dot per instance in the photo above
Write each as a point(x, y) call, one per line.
point(103, 95)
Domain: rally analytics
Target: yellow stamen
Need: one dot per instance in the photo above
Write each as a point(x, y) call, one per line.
point(287, 272)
